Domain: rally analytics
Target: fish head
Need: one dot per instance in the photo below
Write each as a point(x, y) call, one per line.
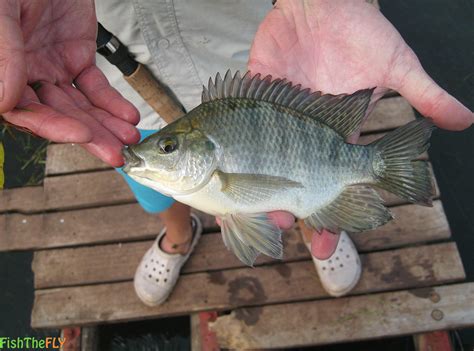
point(172, 161)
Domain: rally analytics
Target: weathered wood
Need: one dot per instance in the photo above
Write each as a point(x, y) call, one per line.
point(89, 338)
point(412, 224)
point(348, 319)
point(27, 199)
point(92, 264)
point(71, 158)
point(196, 343)
point(278, 283)
point(71, 228)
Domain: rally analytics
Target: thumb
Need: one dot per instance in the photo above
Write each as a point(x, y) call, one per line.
point(433, 101)
point(13, 76)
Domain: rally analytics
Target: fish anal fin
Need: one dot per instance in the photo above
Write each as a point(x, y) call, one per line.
point(357, 208)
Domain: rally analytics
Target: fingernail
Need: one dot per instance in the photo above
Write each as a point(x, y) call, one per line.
point(2, 90)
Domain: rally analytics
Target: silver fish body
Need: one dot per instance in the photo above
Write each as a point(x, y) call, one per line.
point(260, 138)
point(259, 145)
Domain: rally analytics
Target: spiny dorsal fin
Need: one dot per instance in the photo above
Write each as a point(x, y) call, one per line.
point(344, 113)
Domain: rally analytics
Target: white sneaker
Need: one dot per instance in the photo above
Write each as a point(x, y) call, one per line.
point(158, 271)
point(340, 273)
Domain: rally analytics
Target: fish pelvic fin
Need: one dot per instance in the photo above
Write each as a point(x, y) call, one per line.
point(357, 208)
point(344, 112)
point(393, 162)
point(247, 235)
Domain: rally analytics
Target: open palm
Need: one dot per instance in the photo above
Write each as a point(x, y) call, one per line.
point(339, 46)
point(50, 45)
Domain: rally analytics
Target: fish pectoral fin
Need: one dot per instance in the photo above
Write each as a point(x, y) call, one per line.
point(248, 188)
point(246, 235)
point(356, 209)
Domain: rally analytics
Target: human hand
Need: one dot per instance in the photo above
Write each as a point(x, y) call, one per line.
point(50, 45)
point(340, 46)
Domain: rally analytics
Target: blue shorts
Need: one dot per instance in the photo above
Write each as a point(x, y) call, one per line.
point(151, 200)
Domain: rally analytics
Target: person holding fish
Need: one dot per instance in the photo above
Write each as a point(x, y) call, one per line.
point(259, 150)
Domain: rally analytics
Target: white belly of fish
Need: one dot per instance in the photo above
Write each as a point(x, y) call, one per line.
point(301, 202)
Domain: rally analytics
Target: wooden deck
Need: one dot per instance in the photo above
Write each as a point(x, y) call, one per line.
point(89, 234)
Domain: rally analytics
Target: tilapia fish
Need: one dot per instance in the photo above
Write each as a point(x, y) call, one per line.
point(257, 145)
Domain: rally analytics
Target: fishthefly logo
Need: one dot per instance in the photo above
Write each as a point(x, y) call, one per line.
point(31, 343)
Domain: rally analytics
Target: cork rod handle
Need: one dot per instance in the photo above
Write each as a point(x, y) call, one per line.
point(151, 90)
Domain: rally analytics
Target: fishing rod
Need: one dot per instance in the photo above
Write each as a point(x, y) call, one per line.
point(160, 99)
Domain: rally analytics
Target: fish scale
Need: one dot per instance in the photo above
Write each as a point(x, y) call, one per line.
point(259, 145)
point(284, 140)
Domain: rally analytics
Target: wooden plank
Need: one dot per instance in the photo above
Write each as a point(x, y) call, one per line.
point(91, 265)
point(86, 190)
point(196, 342)
point(348, 319)
point(90, 339)
point(28, 199)
point(278, 283)
point(412, 224)
point(120, 223)
point(70, 158)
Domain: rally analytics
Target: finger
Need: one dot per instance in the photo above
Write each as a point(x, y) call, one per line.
point(432, 101)
point(48, 123)
point(97, 89)
point(103, 143)
point(283, 220)
point(13, 75)
point(123, 130)
point(324, 244)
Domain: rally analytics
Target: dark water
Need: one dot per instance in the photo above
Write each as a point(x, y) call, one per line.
point(442, 35)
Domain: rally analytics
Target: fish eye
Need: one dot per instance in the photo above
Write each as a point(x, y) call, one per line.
point(168, 144)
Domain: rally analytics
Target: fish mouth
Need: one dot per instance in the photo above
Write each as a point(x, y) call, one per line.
point(131, 160)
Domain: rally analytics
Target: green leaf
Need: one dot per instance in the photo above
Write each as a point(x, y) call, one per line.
point(2, 159)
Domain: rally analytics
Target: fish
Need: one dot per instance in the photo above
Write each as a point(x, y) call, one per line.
point(257, 144)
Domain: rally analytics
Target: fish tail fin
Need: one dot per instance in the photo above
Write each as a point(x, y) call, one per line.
point(393, 162)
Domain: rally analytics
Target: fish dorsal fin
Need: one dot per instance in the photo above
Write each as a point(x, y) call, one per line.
point(344, 113)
